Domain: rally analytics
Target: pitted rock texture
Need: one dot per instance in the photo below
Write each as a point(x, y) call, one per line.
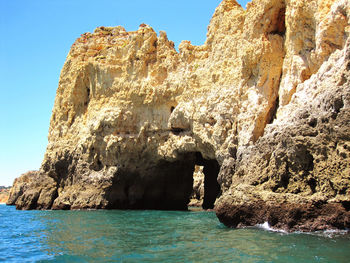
point(302, 162)
point(197, 195)
point(265, 100)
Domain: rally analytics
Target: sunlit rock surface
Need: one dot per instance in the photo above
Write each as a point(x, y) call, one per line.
point(263, 106)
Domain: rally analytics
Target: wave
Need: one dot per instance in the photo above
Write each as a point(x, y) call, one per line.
point(325, 233)
point(266, 226)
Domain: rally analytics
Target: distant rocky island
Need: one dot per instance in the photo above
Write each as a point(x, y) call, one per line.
point(4, 194)
point(262, 108)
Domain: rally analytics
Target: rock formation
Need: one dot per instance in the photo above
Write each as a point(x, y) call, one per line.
point(263, 106)
point(197, 196)
point(4, 194)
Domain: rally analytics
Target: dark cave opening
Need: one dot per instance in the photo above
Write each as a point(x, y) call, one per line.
point(167, 185)
point(164, 185)
point(211, 170)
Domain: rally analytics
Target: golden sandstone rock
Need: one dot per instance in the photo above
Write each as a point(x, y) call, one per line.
point(263, 105)
point(4, 195)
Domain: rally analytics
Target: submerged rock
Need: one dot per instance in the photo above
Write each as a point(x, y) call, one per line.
point(263, 106)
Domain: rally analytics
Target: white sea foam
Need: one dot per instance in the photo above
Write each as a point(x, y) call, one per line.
point(325, 233)
point(332, 232)
point(266, 226)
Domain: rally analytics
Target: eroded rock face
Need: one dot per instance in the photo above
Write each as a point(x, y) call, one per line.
point(302, 162)
point(33, 191)
point(4, 195)
point(265, 100)
point(197, 195)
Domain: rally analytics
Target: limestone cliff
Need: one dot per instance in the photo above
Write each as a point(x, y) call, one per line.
point(263, 106)
point(4, 195)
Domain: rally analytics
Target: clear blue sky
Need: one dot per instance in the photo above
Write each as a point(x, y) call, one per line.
point(36, 36)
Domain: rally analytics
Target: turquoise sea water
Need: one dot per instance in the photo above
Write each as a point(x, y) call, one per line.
point(153, 236)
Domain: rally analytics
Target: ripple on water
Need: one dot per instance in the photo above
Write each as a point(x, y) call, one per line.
point(153, 236)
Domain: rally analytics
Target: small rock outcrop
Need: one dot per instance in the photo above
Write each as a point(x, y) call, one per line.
point(4, 194)
point(197, 196)
point(263, 106)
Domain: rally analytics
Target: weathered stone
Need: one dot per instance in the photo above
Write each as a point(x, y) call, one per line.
point(301, 162)
point(265, 100)
point(20, 186)
point(4, 194)
point(197, 195)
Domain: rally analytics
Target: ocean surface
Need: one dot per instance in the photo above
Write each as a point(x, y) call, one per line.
point(154, 236)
